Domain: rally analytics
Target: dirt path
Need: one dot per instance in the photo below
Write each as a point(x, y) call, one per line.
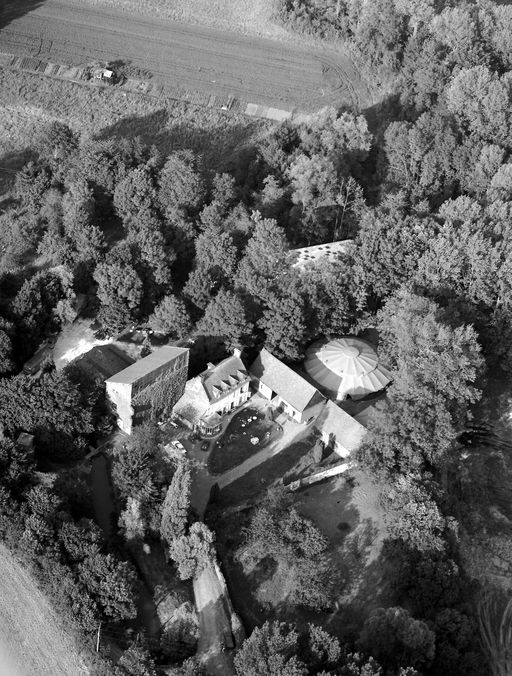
point(31, 631)
point(214, 622)
point(196, 58)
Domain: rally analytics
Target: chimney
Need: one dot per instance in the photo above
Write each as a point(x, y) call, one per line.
point(237, 352)
point(210, 366)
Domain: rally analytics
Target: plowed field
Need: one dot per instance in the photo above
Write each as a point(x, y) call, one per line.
point(193, 57)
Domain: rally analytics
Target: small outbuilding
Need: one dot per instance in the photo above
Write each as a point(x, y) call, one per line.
point(346, 367)
point(339, 430)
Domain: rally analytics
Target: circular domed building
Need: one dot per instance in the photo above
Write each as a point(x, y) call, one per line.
point(346, 367)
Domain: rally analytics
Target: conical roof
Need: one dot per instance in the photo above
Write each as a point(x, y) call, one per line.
point(346, 367)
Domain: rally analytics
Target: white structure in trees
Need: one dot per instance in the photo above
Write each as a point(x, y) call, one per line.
point(346, 367)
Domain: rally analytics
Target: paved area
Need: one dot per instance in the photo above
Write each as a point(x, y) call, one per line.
point(291, 432)
point(203, 481)
point(195, 58)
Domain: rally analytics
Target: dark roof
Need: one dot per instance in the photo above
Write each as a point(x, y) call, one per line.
point(104, 360)
point(147, 365)
point(223, 377)
point(284, 381)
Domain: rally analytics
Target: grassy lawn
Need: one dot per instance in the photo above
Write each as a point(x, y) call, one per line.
point(287, 464)
point(235, 446)
point(349, 515)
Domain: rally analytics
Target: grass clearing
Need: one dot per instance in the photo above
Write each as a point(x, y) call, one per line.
point(33, 100)
point(349, 515)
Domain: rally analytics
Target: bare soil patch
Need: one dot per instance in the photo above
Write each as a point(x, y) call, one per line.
point(32, 632)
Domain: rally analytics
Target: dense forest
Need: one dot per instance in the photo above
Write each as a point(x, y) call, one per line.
point(422, 183)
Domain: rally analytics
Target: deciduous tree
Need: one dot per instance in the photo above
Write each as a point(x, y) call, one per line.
point(284, 324)
point(265, 260)
point(180, 183)
point(225, 316)
point(192, 553)
point(171, 317)
point(111, 583)
point(270, 651)
point(396, 639)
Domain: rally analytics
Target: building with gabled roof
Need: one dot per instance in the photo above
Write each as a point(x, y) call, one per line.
point(285, 388)
point(148, 388)
point(339, 430)
point(212, 394)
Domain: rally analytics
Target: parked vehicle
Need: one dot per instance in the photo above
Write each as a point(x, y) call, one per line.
point(177, 444)
point(205, 446)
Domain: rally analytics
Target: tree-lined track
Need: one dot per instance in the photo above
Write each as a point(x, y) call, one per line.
point(192, 57)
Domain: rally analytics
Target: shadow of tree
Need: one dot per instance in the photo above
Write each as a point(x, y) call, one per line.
point(213, 135)
point(10, 10)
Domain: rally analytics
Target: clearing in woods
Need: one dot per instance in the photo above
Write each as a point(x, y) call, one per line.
point(32, 637)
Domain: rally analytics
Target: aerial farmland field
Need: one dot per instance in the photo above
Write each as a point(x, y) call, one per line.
point(198, 58)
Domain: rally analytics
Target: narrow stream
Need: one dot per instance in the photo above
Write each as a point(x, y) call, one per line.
point(104, 511)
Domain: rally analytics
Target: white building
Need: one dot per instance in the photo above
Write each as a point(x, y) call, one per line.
point(285, 388)
point(212, 394)
point(332, 251)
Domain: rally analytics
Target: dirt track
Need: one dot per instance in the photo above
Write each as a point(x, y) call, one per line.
point(214, 623)
point(31, 636)
point(193, 57)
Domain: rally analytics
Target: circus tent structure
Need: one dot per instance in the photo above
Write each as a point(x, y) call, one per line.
point(346, 367)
